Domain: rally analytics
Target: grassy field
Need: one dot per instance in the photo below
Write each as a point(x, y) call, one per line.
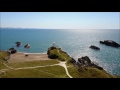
point(39, 72)
point(33, 63)
point(44, 72)
point(20, 71)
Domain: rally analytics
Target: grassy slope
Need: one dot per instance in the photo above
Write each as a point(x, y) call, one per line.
point(90, 72)
point(2, 59)
point(61, 57)
point(2, 56)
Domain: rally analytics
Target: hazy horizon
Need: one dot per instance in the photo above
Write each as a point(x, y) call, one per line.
point(54, 28)
point(60, 20)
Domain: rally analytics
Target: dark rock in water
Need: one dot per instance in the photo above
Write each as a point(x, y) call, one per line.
point(85, 61)
point(12, 50)
point(94, 47)
point(110, 43)
point(18, 44)
point(27, 46)
point(101, 42)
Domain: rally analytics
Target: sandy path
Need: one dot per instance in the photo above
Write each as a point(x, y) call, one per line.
point(20, 57)
point(61, 64)
point(64, 65)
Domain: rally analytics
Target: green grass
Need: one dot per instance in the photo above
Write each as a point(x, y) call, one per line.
point(2, 59)
point(3, 55)
point(44, 72)
point(41, 72)
point(2, 66)
point(73, 71)
point(49, 71)
point(62, 56)
point(65, 55)
point(33, 63)
point(88, 72)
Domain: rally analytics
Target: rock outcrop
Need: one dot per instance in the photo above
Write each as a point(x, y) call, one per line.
point(27, 46)
point(110, 43)
point(94, 47)
point(86, 62)
point(73, 61)
point(12, 50)
point(18, 44)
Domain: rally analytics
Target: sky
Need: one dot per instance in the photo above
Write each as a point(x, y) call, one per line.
point(60, 20)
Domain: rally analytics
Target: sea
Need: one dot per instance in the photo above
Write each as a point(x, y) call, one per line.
point(75, 42)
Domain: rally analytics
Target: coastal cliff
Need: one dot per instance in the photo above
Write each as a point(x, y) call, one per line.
point(83, 68)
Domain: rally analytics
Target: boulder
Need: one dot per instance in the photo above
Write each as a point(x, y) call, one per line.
point(18, 44)
point(94, 47)
point(12, 50)
point(27, 46)
point(101, 42)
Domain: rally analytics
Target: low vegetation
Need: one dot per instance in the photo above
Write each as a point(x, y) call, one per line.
point(33, 63)
point(44, 72)
point(20, 71)
point(84, 72)
point(88, 72)
point(57, 53)
point(3, 56)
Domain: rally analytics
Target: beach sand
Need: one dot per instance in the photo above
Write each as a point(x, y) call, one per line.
point(20, 57)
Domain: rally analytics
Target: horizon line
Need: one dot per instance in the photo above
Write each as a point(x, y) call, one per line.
point(50, 28)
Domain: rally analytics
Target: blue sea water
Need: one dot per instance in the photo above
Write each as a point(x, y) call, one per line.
point(75, 42)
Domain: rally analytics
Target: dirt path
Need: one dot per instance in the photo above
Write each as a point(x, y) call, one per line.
point(64, 65)
point(10, 68)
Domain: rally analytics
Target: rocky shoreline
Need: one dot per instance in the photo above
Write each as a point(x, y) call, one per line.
point(80, 63)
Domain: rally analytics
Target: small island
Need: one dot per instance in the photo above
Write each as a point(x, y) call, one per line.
point(18, 44)
point(94, 47)
point(110, 43)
